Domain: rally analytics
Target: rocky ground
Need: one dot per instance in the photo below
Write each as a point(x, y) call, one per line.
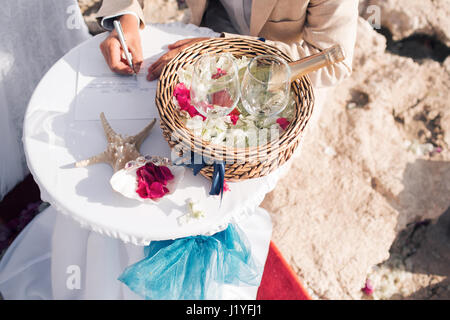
point(372, 206)
point(158, 11)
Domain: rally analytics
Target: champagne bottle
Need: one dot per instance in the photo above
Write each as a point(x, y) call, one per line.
point(304, 66)
point(317, 61)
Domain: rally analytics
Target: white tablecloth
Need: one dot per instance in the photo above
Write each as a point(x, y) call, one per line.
point(45, 260)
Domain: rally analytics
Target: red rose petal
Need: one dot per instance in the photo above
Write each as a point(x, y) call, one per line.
point(235, 112)
point(152, 180)
point(234, 119)
point(159, 176)
point(234, 116)
point(167, 173)
point(283, 122)
point(142, 191)
point(148, 176)
point(157, 190)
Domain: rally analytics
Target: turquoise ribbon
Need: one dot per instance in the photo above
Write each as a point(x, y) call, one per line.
point(193, 267)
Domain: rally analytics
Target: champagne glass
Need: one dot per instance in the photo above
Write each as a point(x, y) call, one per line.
point(266, 86)
point(215, 88)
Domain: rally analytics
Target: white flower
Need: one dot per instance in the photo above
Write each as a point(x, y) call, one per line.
point(213, 129)
point(224, 61)
point(242, 62)
point(236, 138)
point(184, 114)
point(220, 123)
point(201, 91)
point(185, 74)
point(194, 212)
point(420, 149)
point(219, 138)
point(175, 102)
point(195, 124)
point(269, 122)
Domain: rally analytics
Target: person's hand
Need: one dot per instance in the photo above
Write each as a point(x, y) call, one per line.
point(155, 69)
point(113, 52)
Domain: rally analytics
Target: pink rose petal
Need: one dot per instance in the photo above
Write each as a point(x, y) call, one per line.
point(183, 96)
point(226, 187)
point(368, 288)
point(220, 73)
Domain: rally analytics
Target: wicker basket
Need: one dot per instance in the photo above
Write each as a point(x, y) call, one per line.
point(241, 163)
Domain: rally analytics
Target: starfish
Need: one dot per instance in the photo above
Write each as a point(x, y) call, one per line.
point(120, 149)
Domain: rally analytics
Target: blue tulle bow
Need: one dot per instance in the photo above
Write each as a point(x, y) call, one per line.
point(193, 267)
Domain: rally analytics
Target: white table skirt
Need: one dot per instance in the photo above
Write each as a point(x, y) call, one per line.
point(47, 257)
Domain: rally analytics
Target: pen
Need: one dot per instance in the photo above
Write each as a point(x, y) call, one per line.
point(121, 36)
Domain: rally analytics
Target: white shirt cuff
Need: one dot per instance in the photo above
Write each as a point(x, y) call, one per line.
point(108, 24)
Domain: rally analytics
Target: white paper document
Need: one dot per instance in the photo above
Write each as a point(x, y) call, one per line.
point(118, 96)
point(122, 97)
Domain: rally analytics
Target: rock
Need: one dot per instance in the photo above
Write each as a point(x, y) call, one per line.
point(162, 11)
point(418, 264)
point(86, 6)
point(88, 9)
point(447, 65)
point(155, 11)
point(420, 108)
point(406, 17)
point(339, 219)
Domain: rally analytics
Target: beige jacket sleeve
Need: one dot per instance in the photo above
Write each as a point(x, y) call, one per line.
point(112, 8)
point(328, 22)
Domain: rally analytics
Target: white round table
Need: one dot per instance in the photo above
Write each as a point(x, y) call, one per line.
point(53, 248)
point(54, 139)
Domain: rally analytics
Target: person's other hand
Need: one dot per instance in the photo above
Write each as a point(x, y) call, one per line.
point(155, 69)
point(113, 52)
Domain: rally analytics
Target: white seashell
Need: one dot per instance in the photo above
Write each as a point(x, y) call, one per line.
point(125, 183)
